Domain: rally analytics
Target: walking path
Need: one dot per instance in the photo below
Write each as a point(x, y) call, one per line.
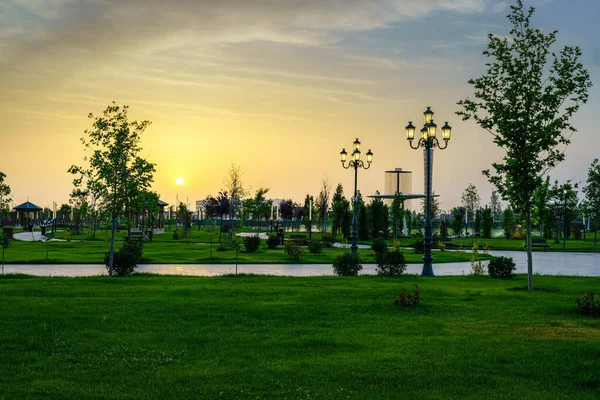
point(33, 237)
point(551, 263)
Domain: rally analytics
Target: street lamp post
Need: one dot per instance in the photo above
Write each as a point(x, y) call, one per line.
point(428, 141)
point(356, 163)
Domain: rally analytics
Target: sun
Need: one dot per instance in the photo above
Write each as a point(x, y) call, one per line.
point(179, 181)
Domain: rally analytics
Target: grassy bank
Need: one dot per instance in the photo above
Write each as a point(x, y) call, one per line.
point(279, 337)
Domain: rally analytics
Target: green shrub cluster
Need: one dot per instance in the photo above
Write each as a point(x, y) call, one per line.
point(347, 265)
point(251, 243)
point(391, 263)
point(379, 246)
point(419, 246)
point(293, 249)
point(501, 267)
point(328, 240)
point(273, 241)
point(126, 258)
point(315, 247)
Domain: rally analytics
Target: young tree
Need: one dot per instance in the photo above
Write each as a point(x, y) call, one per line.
point(487, 223)
point(592, 196)
point(5, 199)
point(308, 212)
point(541, 210)
point(508, 222)
point(261, 207)
point(377, 214)
point(235, 187)
point(456, 223)
point(470, 200)
point(526, 105)
point(322, 203)
point(116, 172)
point(397, 213)
point(495, 205)
point(340, 210)
point(565, 200)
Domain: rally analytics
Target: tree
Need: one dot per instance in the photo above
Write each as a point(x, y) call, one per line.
point(456, 223)
point(470, 200)
point(322, 203)
point(5, 199)
point(340, 212)
point(364, 224)
point(377, 214)
point(541, 210)
point(508, 222)
point(260, 206)
point(487, 223)
point(397, 213)
point(116, 172)
point(286, 209)
point(592, 196)
point(526, 105)
point(237, 191)
point(565, 200)
point(308, 212)
point(495, 206)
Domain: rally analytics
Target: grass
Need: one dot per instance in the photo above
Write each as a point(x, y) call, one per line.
point(197, 250)
point(270, 337)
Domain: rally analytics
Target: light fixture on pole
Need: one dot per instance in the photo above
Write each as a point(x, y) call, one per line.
point(428, 141)
point(356, 163)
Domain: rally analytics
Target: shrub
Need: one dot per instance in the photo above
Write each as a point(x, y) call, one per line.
point(379, 246)
point(272, 242)
point(589, 304)
point(328, 240)
point(68, 235)
point(419, 247)
point(251, 243)
point(175, 235)
point(125, 259)
point(409, 299)
point(347, 265)
point(315, 247)
point(391, 263)
point(441, 246)
point(221, 247)
point(501, 267)
point(293, 249)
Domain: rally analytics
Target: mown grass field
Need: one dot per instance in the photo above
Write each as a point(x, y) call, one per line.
point(269, 337)
point(200, 248)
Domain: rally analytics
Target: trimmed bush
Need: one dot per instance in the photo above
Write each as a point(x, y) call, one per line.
point(328, 240)
point(409, 299)
point(272, 242)
point(251, 243)
point(419, 247)
point(125, 260)
point(315, 247)
point(347, 265)
point(501, 267)
point(379, 246)
point(221, 247)
point(391, 263)
point(293, 249)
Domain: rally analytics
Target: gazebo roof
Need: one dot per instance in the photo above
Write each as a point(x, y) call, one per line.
point(27, 206)
point(162, 203)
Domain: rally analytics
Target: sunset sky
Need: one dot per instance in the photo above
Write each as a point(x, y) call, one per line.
point(276, 87)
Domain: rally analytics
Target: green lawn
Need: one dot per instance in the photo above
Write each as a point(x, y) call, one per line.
point(163, 249)
point(269, 337)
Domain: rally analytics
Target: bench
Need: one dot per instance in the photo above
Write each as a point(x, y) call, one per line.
point(139, 235)
point(539, 243)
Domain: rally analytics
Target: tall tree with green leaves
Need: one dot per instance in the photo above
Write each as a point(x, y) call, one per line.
point(542, 211)
point(5, 199)
point(340, 211)
point(495, 205)
point(470, 200)
point(235, 187)
point(592, 196)
point(377, 215)
point(526, 100)
point(397, 213)
point(115, 170)
point(322, 203)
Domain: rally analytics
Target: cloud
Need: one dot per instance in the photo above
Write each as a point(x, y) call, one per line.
point(101, 26)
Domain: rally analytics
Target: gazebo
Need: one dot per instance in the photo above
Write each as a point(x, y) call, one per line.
point(160, 225)
point(27, 213)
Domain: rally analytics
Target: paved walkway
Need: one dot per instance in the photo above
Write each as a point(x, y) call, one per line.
point(550, 263)
point(33, 237)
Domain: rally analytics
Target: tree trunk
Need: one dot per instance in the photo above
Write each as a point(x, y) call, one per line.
point(529, 255)
point(112, 247)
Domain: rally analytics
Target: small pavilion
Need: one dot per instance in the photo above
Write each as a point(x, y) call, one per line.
point(27, 213)
point(161, 214)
